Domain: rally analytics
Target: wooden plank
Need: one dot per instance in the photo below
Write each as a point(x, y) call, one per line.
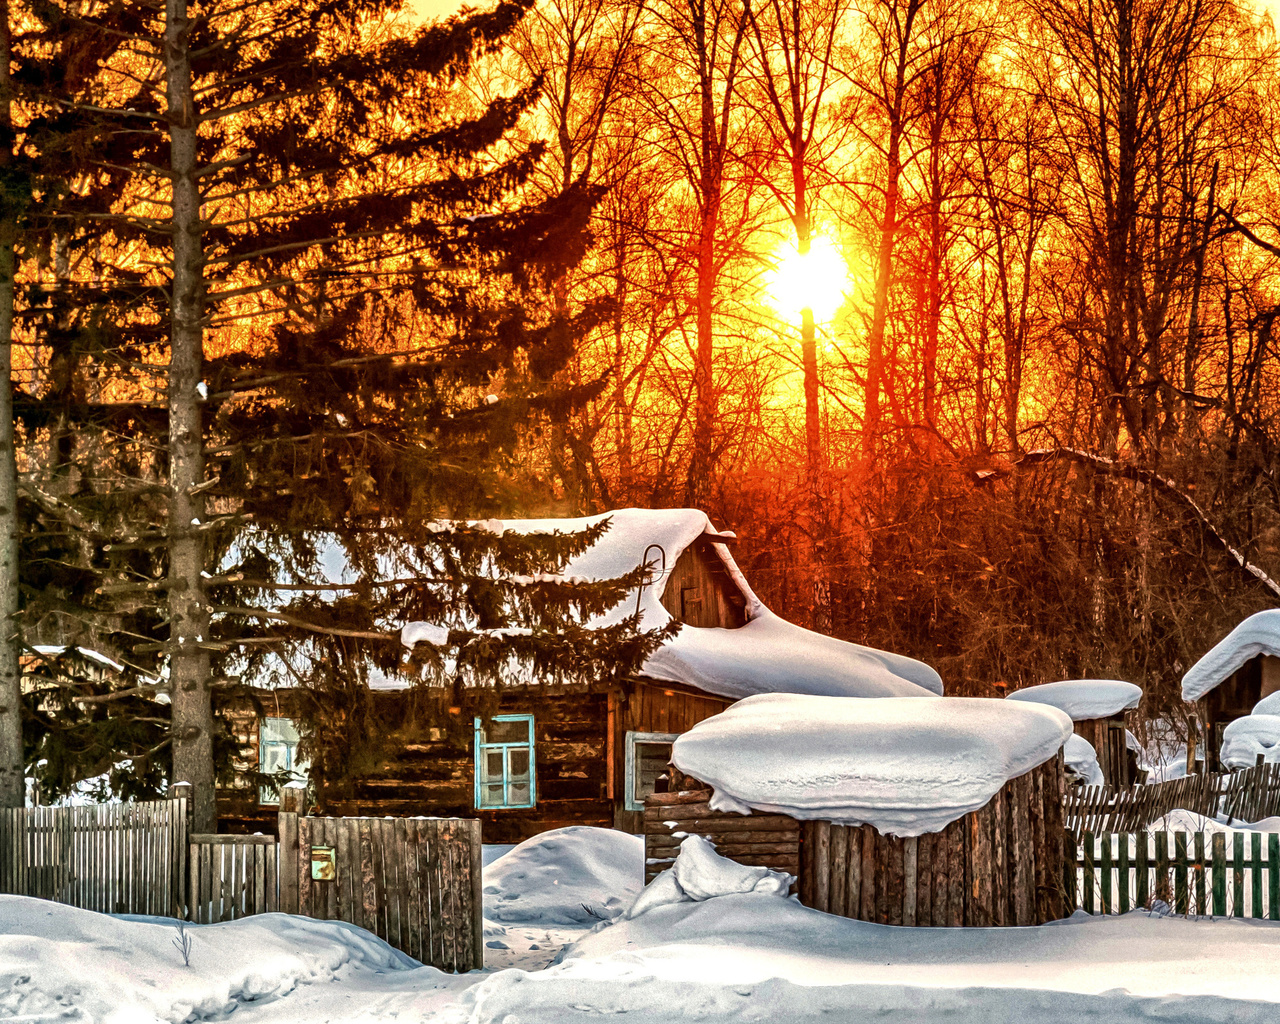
point(687, 796)
point(399, 829)
point(272, 859)
point(658, 823)
point(1256, 868)
point(839, 856)
point(1000, 856)
point(331, 828)
point(414, 883)
point(302, 865)
point(1020, 837)
point(392, 865)
point(1039, 846)
point(666, 843)
point(259, 878)
point(1198, 877)
point(806, 863)
point(1237, 875)
point(1104, 865)
point(896, 852)
point(1181, 901)
point(822, 866)
point(1088, 904)
point(940, 886)
point(287, 827)
point(924, 879)
point(347, 854)
point(910, 866)
point(956, 838)
point(1143, 869)
point(368, 883)
point(1273, 876)
point(870, 873)
point(474, 840)
point(1124, 896)
point(1162, 888)
point(853, 883)
point(1219, 869)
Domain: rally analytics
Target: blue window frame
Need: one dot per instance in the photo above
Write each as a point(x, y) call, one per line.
point(505, 775)
point(278, 756)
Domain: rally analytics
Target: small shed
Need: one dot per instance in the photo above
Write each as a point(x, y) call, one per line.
point(1096, 708)
point(928, 813)
point(1228, 682)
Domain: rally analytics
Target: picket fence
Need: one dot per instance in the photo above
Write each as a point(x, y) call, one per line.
point(1248, 795)
point(1194, 873)
point(113, 858)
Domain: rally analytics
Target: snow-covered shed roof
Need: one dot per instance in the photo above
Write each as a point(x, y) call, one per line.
point(1083, 699)
point(1258, 634)
point(1245, 738)
point(766, 655)
point(905, 767)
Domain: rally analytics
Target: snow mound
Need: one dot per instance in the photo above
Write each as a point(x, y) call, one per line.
point(904, 766)
point(1083, 699)
point(1245, 738)
point(767, 655)
point(1258, 634)
point(700, 873)
point(67, 964)
point(1082, 760)
point(576, 875)
point(1269, 705)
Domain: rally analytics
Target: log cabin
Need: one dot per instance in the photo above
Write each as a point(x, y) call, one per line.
point(1238, 672)
point(550, 759)
point(1097, 708)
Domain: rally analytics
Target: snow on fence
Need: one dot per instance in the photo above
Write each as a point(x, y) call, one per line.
point(113, 858)
point(1234, 874)
point(233, 877)
point(1249, 795)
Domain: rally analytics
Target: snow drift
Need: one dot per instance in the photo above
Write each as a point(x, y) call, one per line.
point(1245, 738)
point(1083, 699)
point(904, 766)
point(1082, 760)
point(569, 876)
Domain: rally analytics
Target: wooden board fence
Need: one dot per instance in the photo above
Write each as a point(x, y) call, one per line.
point(233, 877)
point(1248, 795)
point(113, 858)
point(767, 840)
point(1218, 874)
point(415, 882)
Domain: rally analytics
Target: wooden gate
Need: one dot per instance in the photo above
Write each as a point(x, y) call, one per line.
point(414, 882)
point(113, 858)
point(233, 877)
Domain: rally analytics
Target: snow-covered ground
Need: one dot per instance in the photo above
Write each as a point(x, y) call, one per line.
point(753, 956)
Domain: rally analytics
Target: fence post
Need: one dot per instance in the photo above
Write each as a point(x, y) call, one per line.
point(477, 896)
point(293, 801)
point(181, 808)
point(1191, 746)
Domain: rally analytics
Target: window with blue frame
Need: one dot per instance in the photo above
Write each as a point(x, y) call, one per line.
point(504, 762)
point(278, 756)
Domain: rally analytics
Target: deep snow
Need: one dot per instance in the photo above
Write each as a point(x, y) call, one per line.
point(1083, 699)
point(1082, 760)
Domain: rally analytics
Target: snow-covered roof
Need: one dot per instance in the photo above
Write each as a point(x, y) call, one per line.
point(767, 655)
point(1083, 699)
point(1082, 760)
point(1258, 634)
point(1245, 738)
point(1269, 705)
point(906, 767)
point(57, 650)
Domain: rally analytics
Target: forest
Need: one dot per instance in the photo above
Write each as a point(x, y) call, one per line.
point(959, 314)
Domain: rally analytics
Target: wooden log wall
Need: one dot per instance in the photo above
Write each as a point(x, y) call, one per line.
point(1108, 739)
point(1004, 864)
point(434, 773)
point(759, 840)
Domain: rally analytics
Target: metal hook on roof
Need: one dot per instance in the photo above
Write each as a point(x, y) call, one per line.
point(649, 578)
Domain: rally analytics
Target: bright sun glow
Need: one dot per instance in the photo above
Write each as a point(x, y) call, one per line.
point(817, 280)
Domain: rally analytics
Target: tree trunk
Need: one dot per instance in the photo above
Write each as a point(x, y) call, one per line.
point(12, 789)
point(188, 610)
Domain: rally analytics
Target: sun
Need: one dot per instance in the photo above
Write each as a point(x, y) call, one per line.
point(816, 280)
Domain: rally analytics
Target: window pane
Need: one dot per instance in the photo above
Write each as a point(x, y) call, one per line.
point(651, 762)
point(519, 764)
point(492, 765)
point(279, 730)
point(507, 732)
point(491, 796)
point(517, 794)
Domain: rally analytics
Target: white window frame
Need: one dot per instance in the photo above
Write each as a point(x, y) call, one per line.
point(629, 801)
point(482, 746)
point(269, 796)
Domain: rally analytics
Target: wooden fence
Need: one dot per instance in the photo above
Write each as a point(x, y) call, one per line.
point(1247, 795)
point(415, 882)
point(113, 858)
point(1236, 875)
point(764, 840)
point(233, 877)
